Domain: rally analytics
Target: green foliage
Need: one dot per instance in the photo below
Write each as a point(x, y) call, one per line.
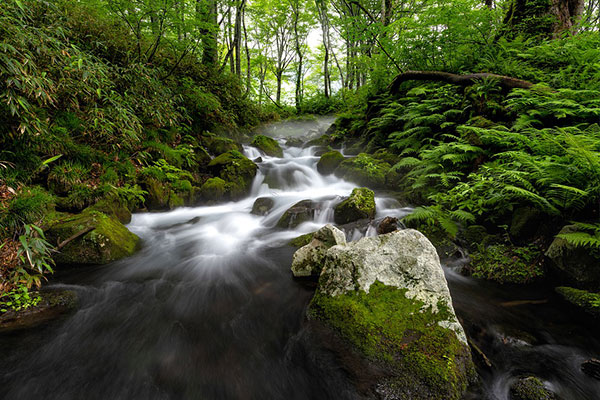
point(587, 236)
point(507, 264)
point(18, 299)
point(27, 207)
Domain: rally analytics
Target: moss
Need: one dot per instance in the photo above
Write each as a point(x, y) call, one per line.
point(213, 189)
point(301, 240)
point(219, 145)
point(329, 162)
point(158, 194)
point(109, 240)
point(360, 204)
point(27, 207)
point(507, 264)
point(235, 169)
point(267, 145)
point(530, 388)
point(588, 301)
point(424, 359)
point(364, 170)
point(115, 207)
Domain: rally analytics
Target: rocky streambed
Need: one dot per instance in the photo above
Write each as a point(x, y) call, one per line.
point(208, 307)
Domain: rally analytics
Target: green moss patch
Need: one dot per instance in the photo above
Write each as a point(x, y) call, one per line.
point(364, 170)
point(360, 204)
point(267, 145)
point(588, 301)
point(329, 162)
point(507, 264)
point(301, 240)
point(424, 359)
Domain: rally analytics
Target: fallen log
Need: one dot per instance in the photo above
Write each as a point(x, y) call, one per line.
point(506, 82)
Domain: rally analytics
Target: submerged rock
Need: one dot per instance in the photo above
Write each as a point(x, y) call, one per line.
point(267, 145)
point(577, 264)
point(262, 206)
point(308, 260)
point(530, 388)
point(388, 225)
point(387, 298)
point(360, 205)
point(301, 212)
point(52, 304)
point(90, 238)
point(329, 162)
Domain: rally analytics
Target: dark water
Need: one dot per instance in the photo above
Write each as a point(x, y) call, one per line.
point(208, 310)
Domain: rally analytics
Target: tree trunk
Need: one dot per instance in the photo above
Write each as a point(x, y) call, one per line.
point(248, 69)
point(208, 15)
point(543, 18)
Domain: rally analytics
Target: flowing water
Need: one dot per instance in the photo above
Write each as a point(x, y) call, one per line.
point(208, 309)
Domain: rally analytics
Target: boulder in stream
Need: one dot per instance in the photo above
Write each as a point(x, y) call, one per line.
point(301, 212)
point(267, 145)
point(364, 170)
point(52, 304)
point(237, 172)
point(360, 205)
point(387, 300)
point(530, 388)
point(89, 238)
point(308, 260)
point(262, 206)
point(388, 225)
point(329, 162)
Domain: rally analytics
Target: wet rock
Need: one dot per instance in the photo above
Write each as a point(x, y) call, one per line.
point(236, 170)
point(530, 388)
point(262, 206)
point(591, 368)
point(115, 207)
point(258, 160)
point(90, 238)
point(301, 212)
point(308, 260)
point(329, 162)
point(301, 240)
point(295, 142)
point(577, 264)
point(387, 225)
point(218, 145)
point(364, 170)
point(53, 303)
point(360, 205)
point(587, 301)
point(267, 145)
point(388, 300)
point(214, 189)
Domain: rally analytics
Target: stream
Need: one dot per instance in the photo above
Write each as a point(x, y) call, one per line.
point(208, 309)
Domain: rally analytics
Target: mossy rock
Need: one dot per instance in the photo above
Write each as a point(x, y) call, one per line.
point(578, 265)
point(301, 212)
point(52, 304)
point(587, 301)
point(267, 145)
point(323, 140)
point(507, 264)
point(387, 156)
point(530, 388)
point(158, 194)
point(525, 223)
point(444, 244)
point(360, 205)
point(103, 239)
point(115, 207)
point(235, 169)
point(329, 162)
point(214, 189)
point(364, 170)
point(418, 357)
point(302, 240)
point(218, 145)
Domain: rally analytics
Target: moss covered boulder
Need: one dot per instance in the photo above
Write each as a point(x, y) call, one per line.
point(90, 238)
point(578, 265)
point(360, 205)
point(267, 145)
point(218, 145)
point(587, 301)
point(236, 170)
point(115, 207)
point(262, 206)
point(214, 189)
point(301, 240)
point(364, 170)
point(530, 388)
point(386, 298)
point(301, 212)
point(329, 162)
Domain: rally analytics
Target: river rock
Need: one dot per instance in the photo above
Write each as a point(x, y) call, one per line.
point(591, 368)
point(329, 162)
point(262, 206)
point(530, 388)
point(301, 212)
point(360, 205)
point(96, 238)
point(387, 225)
point(236, 170)
point(52, 304)
point(587, 301)
point(364, 170)
point(267, 145)
point(577, 264)
point(387, 298)
point(308, 260)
